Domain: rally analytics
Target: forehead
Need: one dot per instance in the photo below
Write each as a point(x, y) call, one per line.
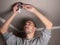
point(29, 22)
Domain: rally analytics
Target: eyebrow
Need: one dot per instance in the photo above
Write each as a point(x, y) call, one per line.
point(29, 22)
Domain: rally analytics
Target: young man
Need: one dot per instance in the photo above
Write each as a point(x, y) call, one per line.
point(29, 29)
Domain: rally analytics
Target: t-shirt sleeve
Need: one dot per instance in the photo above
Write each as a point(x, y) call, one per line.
point(8, 35)
point(11, 39)
point(45, 36)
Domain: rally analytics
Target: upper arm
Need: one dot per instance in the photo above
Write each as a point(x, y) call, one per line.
point(45, 37)
point(49, 26)
point(8, 35)
point(11, 39)
point(3, 29)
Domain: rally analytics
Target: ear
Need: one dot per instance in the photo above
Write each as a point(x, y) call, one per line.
point(34, 29)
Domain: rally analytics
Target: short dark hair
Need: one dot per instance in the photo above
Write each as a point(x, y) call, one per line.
point(29, 19)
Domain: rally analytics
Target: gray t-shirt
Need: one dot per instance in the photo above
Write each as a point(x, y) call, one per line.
point(11, 39)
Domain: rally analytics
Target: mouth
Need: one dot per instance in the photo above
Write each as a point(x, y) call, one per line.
point(26, 28)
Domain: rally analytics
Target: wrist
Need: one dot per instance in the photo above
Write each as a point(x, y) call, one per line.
point(36, 12)
point(15, 13)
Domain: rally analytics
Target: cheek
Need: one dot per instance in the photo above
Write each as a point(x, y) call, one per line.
point(31, 27)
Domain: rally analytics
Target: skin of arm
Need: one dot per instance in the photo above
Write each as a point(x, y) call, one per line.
point(48, 24)
point(6, 25)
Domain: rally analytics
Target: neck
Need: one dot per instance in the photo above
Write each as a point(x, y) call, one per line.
point(30, 36)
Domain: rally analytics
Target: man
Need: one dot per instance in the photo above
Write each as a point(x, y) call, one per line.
point(29, 29)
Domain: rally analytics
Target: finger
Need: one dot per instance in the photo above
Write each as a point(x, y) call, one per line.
point(27, 7)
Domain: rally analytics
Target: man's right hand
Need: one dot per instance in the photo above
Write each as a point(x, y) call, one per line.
point(15, 8)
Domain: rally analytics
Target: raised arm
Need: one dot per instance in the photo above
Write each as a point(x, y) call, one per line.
point(48, 24)
point(5, 26)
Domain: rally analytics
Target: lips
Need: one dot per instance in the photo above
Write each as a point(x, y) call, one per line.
point(26, 28)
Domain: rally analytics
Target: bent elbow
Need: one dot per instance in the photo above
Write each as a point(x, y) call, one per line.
point(49, 26)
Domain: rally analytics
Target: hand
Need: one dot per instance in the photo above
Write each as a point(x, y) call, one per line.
point(15, 8)
point(29, 8)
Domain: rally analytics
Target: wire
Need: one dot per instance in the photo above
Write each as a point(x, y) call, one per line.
point(38, 29)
